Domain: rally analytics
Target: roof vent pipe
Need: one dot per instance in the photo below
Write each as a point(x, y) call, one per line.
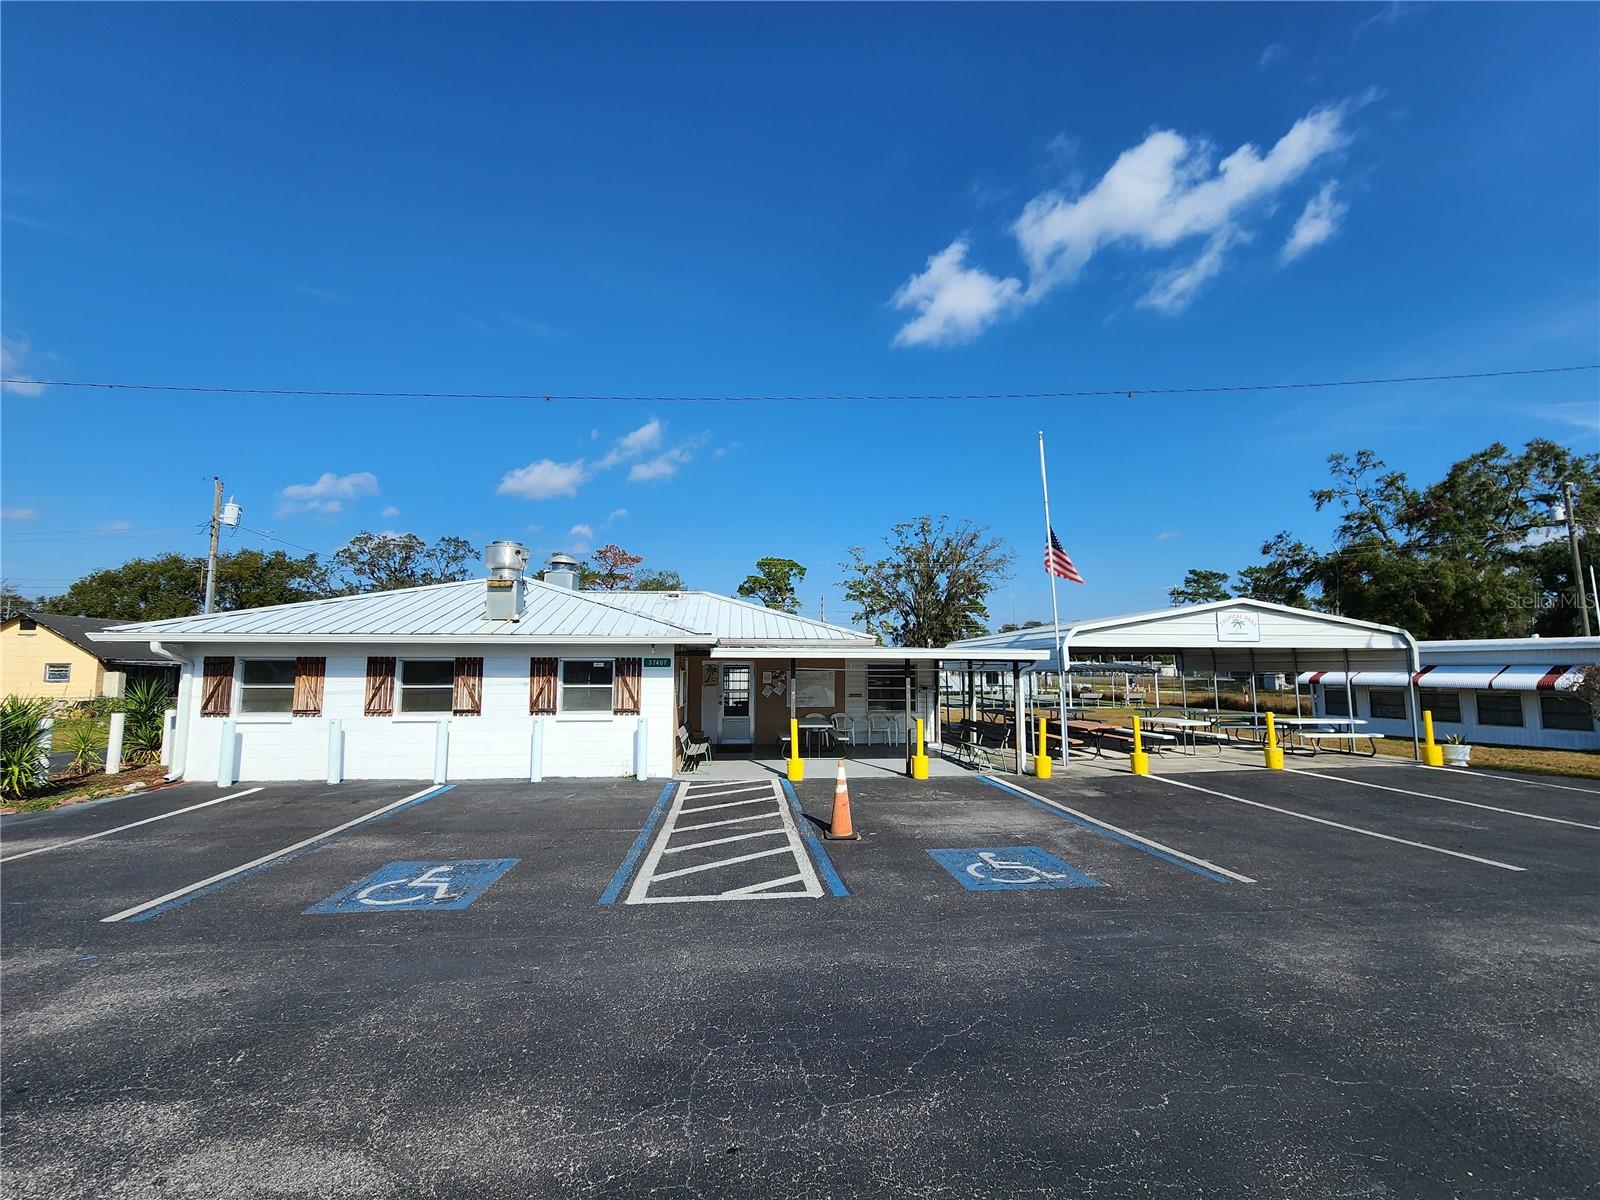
point(506, 562)
point(562, 571)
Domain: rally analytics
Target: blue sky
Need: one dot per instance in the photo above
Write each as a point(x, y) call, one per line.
point(777, 200)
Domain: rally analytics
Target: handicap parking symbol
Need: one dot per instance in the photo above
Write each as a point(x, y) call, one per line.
point(1010, 868)
point(410, 886)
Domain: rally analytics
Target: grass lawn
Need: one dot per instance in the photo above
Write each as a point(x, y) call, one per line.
point(1583, 763)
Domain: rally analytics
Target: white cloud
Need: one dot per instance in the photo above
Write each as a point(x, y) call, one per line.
point(662, 466)
point(543, 479)
point(1272, 54)
point(1387, 15)
point(389, 511)
point(616, 514)
point(116, 527)
point(954, 303)
point(579, 539)
point(631, 445)
point(581, 531)
point(1167, 535)
point(16, 355)
point(328, 493)
point(1317, 223)
point(19, 514)
point(1166, 190)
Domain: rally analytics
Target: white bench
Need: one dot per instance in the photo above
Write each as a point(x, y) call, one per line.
point(1316, 737)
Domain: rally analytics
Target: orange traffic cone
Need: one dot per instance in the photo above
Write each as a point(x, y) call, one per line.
point(840, 829)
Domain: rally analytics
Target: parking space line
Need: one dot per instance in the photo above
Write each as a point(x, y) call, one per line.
point(819, 852)
point(774, 809)
point(1177, 858)
point(1289, 812)
point(131, 825)
point(213, 883)
point(723, 790)
point(1449, 800)
point(728, 821)
point(620, 879)
point(1565, 787)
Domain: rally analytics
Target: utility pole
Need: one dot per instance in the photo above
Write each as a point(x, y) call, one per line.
point(211, 556)
point(1570, 491)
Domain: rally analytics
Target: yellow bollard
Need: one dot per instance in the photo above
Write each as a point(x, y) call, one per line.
point(1042, 766)
point(1432, 752)
point(797, 766)
point(919, 761)
point(1274, 752)
point(1139, 761)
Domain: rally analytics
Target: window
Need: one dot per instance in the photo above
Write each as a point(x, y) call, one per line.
point(58, 672)
point(1445, 706)
point(1565, 712)
point(1386, 704)
point(1333, 702)
point(1500, 708)
point(586, 685)
point(27, 625)
point(266, 685)
point(886, 687)
point(427, 685)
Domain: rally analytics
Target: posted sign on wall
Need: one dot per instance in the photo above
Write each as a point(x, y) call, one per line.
point(1236, 626)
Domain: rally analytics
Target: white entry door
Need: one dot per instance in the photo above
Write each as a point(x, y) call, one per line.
point(736, 721)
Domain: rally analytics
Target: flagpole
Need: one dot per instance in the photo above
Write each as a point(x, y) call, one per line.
point(1055, 612)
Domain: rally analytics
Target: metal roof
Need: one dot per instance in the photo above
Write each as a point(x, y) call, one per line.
point(733, 621)
point(78, 631)
point(865, 652)
point(444, 611)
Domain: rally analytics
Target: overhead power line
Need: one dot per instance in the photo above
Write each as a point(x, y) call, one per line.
point(1082, 394)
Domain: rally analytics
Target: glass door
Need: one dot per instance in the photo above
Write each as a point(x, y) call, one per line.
point(735, 705)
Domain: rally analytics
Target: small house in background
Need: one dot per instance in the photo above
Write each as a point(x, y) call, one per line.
point(48, 656)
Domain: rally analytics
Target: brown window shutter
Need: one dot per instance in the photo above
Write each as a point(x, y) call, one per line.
point(216, 696)
point(467, 700)
point(308, 676)
point(380, 687)
point(541, 686)
point(625, 687)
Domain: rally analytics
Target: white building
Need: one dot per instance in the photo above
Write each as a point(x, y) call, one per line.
point(514, 678)
point(1501, 692)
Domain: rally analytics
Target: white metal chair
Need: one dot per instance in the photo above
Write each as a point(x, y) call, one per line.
point(692, 753)
point(883, 723)
point(843, 732)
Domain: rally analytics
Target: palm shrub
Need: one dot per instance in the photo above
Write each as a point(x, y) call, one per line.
point(24, 762)
point(83, 740)
point(146, 704)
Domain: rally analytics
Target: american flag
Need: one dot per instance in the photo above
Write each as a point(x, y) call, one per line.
point(1056, 561)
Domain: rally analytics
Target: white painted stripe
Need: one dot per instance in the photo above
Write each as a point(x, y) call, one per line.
point(721, 862)
point(1289, 812)
point(727, 804)
point(1144, 841)
point(723, 841)
point(1449, 800)
point(1565, 787)
point(753, 888)
point(729, 821)
point(265, 858)
point(131, 825)
point(705, 793)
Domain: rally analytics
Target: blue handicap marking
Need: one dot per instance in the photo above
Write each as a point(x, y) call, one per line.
point(409, 886)
point(1010, 868)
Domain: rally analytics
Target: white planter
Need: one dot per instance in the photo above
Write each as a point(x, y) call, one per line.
point(1456, 756)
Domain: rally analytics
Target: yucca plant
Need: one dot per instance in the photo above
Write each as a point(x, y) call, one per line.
point(146, 704)
point(24, 763)
point(83, 740)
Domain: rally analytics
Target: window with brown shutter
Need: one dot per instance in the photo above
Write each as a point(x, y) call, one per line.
point(467, 700)
point(216, 695)
point(380, 687)
point(625, 699)
point(309, 674)
point(541, 686)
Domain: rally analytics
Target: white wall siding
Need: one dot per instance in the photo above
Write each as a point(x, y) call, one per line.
point(1531, 733)
point(497, 744)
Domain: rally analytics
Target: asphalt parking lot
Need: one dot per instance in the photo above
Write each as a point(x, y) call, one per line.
point(1237, 983)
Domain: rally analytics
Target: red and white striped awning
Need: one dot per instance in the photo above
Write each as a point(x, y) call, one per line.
point(1473, 677)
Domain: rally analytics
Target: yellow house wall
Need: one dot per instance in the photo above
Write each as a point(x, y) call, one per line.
point(23, 655)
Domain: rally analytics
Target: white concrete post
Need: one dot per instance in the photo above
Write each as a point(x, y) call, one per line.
point(441, 752)
point(228, 756)
point(536, 752)
point(335, 751)
point(641, 750)
point(169, 732)
point(47, 738)
point(119, 725)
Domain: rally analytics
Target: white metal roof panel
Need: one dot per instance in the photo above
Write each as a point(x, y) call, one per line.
point(729, 619)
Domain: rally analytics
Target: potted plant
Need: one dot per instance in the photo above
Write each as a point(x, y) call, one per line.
point(1456, 751)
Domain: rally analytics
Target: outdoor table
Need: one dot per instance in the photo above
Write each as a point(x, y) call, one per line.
point(816, 732)
point(1185, 727)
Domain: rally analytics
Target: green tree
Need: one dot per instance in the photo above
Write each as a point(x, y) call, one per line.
point(173, 585)
point(658, 581)
point(382, 562)
point(774, 583)
point(931, 587)
point(11, 601)
point(1200, 586)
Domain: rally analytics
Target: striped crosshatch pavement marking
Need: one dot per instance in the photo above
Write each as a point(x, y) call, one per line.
point(726, 840)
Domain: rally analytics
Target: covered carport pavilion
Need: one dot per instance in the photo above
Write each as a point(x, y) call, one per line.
point(1224, 637)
